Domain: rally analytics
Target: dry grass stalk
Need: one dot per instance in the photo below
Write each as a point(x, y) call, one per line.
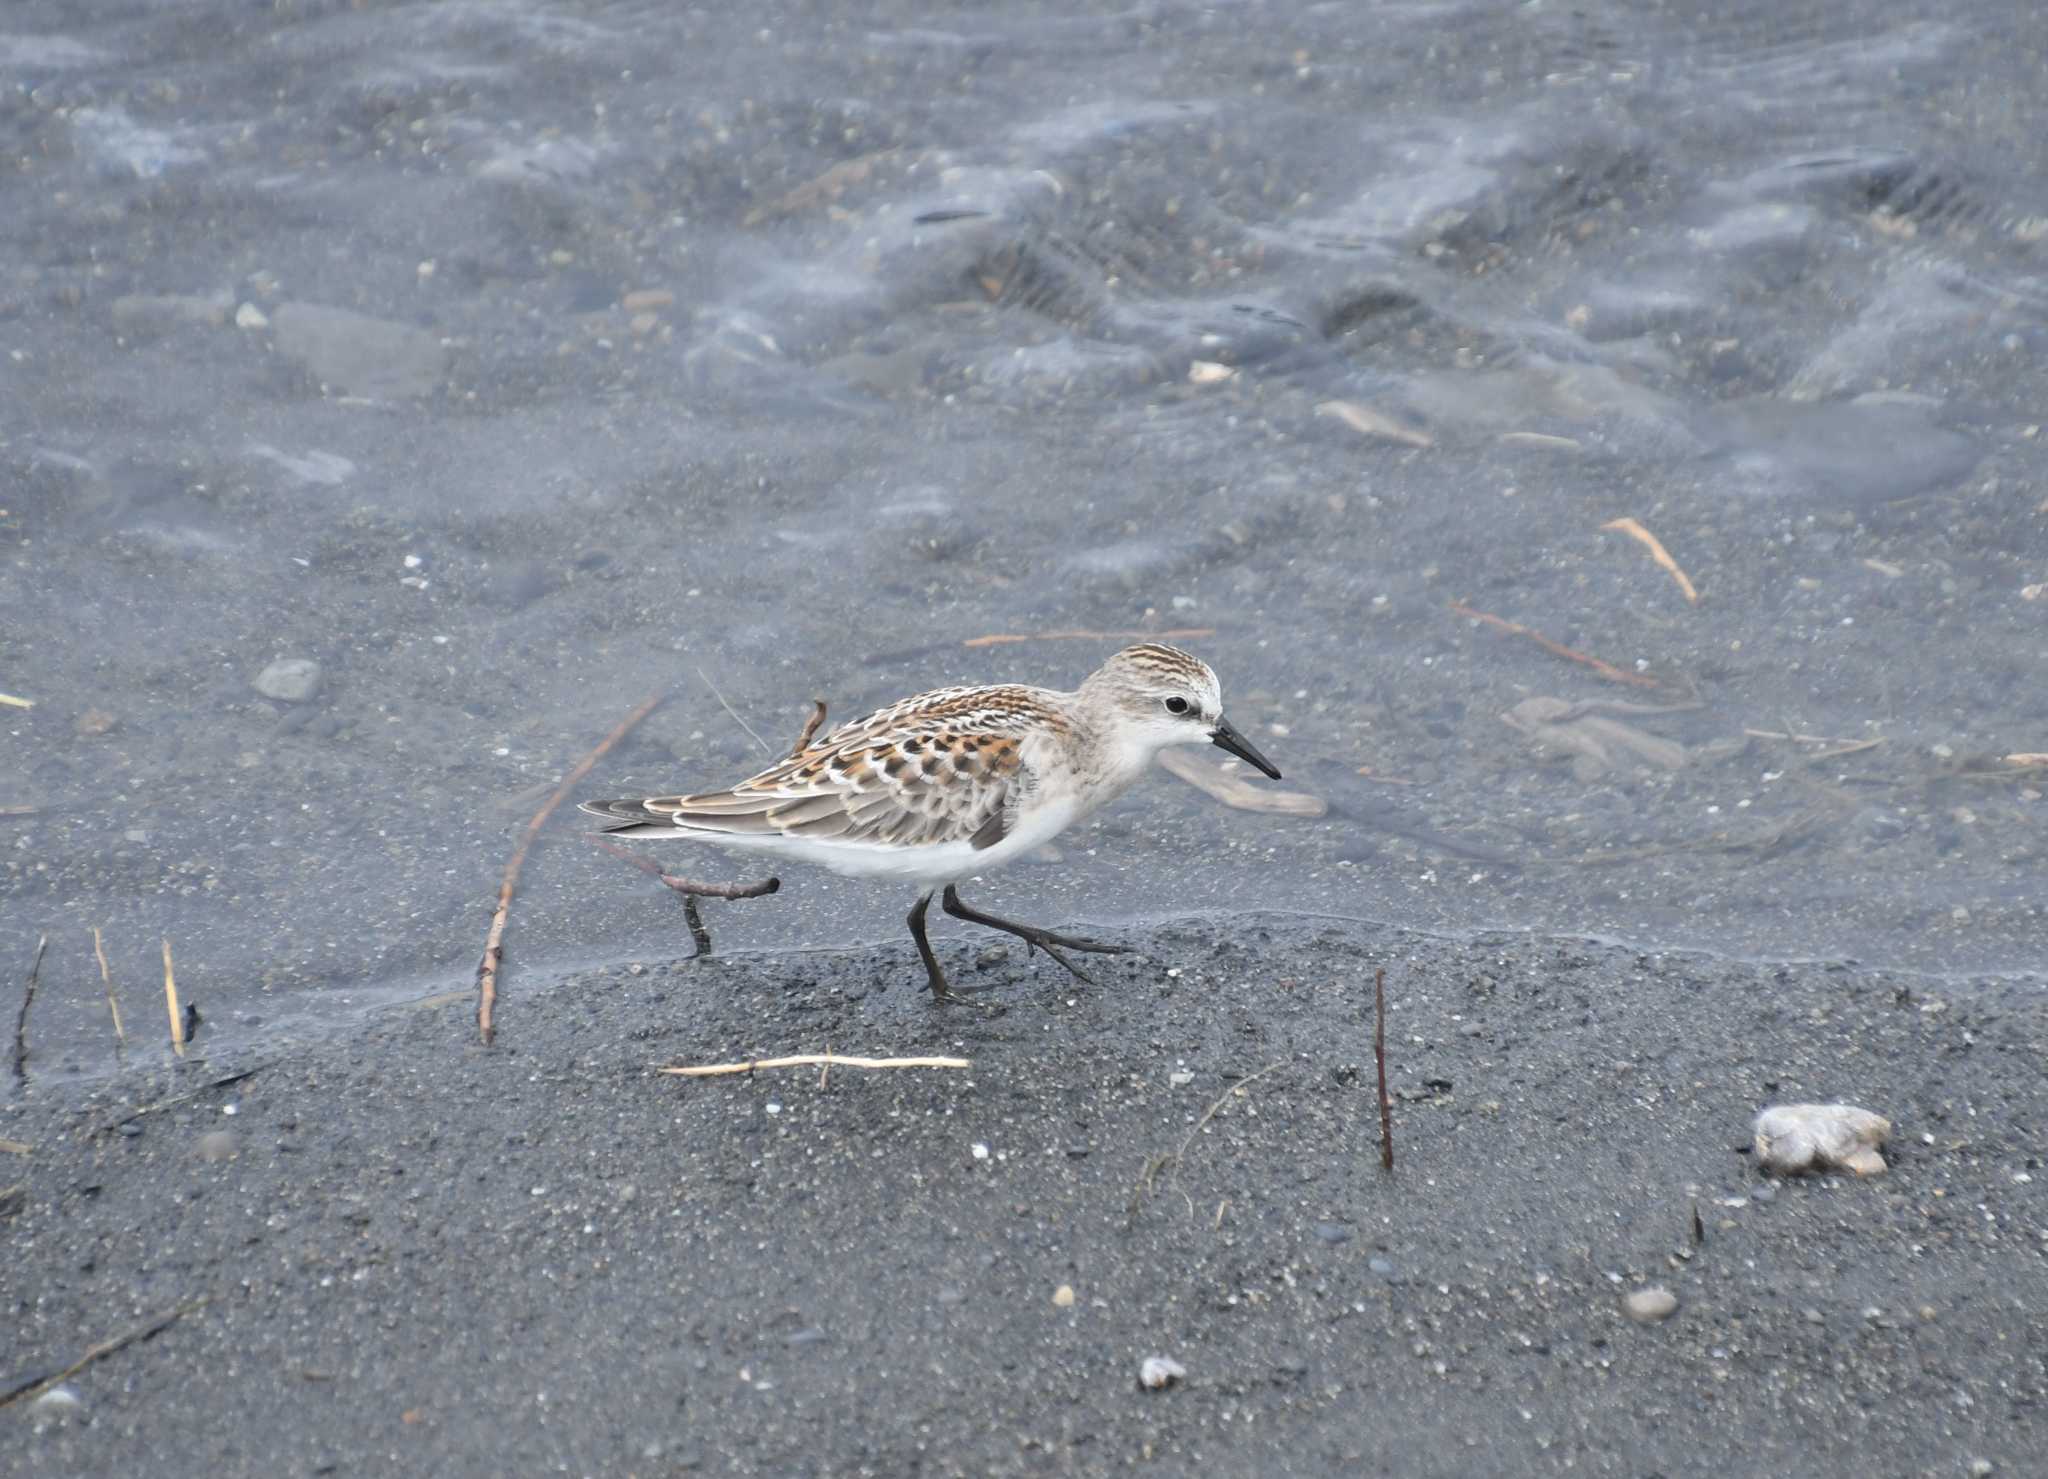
point(812, 1060)
point(1149, 1177)
point(107, 980)
point(171, 1003)
point(731, 711)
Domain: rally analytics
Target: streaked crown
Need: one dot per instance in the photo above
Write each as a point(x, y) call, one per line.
point(1152, 670)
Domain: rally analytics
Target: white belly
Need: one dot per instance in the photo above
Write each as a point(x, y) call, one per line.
point(928, 866)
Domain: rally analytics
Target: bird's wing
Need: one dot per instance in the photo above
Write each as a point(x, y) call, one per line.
point(944, 767)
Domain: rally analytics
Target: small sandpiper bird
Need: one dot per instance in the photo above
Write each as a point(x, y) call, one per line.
point(957, 781)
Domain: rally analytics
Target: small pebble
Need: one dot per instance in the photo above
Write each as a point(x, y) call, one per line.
point(1063, 1297)
point(1648, 1306)
point(219, 1145)
point(289, 680)
point(60, 1404)
point(249, 316)
point(1332, 1232)
point(1384, 1267)
point(1155, 1372)
point(1180, 1078)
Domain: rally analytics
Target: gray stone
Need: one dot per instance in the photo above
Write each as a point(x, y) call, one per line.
point(219, 1145)
point(290, 680)
point(359, 355)
point(1648, 1306)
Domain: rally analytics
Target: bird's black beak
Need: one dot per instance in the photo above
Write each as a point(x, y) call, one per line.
point(1223, 737)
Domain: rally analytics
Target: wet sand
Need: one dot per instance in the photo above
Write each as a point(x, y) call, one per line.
point(422, 1254)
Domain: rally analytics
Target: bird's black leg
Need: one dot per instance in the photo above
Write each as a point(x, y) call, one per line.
point(940, 990)
point(1031, 935)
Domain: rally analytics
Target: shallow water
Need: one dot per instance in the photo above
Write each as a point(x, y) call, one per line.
point(514, 362)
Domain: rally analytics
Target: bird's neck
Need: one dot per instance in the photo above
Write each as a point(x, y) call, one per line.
point(1106, 763)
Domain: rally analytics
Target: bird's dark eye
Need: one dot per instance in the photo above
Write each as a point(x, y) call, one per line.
point(1176, 705)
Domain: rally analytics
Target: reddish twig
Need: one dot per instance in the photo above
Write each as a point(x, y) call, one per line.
point(690, 887)
point(494, 948)
point(1379, 1058)
point(690, 890)
point(803, 740)
point(1606, 670)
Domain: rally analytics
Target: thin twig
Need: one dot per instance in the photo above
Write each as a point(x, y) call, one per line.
point(732, 711)
point(171, 1002)
point(700, 937)
point(115, 1123)
point(36, 1386)
point(1179, 634)
point(107, 980)
point(494, 948)
point(810, 1060)
point(691, 890)
point(1606, 670)
point(803, 740)
point(16, 1147)
point(28, 996)
point(1379, 1058)
point(1658, 553)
